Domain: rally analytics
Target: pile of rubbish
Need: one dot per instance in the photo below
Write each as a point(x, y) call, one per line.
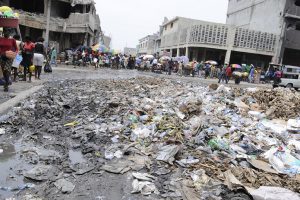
point(174, 140)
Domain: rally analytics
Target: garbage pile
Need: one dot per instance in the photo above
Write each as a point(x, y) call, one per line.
point(174, 140)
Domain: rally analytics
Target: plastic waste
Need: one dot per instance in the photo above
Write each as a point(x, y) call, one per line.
point(143, 187)
point(133, 118)
point(2, 131)
point(74, 123)
point(188, 161)
point(282, 161)
point(257, 114)
point(115, 139)
point(218, 144)
point(18, 188)
point(274, 193)
point(293, 125)
point(167, 153)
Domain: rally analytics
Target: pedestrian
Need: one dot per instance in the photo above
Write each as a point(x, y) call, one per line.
point(207, 70)
point(7, 47)
point(228, 73)
point(19, 46)
point(180, 69)
point(170, 66)
point(53, 55)
point(28, 50)
point(251, 74)
point(38, 57)
point(222, 75)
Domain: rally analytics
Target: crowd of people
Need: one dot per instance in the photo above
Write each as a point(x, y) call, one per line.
point(23, 59)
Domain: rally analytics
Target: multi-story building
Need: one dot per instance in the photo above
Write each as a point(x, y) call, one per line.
point(107, 41)
point(201, 40)
point(280, 17)
point(147, 45)
point(66, 23)
point(130, 51)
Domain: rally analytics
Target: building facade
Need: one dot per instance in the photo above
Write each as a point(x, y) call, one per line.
point(201, 40)
point(130, 51)
point(64, 23)
point(147, 45)
point(107, 41)
point(280, 17)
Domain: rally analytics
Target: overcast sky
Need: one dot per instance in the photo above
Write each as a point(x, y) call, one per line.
point(127, 21)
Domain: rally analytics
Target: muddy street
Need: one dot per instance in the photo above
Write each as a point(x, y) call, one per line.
point(142, 136)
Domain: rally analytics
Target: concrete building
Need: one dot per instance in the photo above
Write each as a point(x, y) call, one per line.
point(65, 23)
point(147, 45)
point(130, 51)
point(107, 41)
point(280, 17)
point(203, 40)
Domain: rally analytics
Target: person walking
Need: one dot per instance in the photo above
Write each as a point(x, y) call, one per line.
point(207, 70)
point(19, 46)
point(228, 73)
point(38, 58)
point(180, 69)
point(53, 55)
point(170, 66)
point(8, 47)
point(222, 75)
point(251, 74)
point(28, 49)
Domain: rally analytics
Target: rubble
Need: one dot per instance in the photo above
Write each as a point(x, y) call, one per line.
point(175, 140)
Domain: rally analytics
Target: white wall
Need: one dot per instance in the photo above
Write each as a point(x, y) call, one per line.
point(261, 15)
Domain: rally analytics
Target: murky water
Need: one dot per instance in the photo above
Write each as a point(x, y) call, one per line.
point(11, 169)
point(76, 157)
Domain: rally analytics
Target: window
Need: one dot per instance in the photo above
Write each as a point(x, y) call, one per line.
point(297, 2)
point(171, 25)
point(291, 76)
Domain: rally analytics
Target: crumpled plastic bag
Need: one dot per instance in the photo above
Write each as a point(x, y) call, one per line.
point(144, 187)
point(282, 161)
point(274, 193)
point(167, 153)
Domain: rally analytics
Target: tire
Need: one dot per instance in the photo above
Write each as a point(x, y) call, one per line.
point(289, 86)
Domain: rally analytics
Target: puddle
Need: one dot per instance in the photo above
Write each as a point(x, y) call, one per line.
point(11, 167)
point(76, 157)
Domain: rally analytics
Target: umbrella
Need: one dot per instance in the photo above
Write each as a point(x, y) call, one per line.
point(148, 57)
point(236, 66)
point(184, 59)
point(211, 62)
point(165, 58)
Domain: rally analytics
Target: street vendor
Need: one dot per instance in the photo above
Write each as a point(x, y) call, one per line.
point(7, 47)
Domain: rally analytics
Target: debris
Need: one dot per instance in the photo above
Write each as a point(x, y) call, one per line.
point(64, 185)
point(274, 193)
point(262, 166)
point(117, 168)
point(74, 123)
point(144, 187)
point(19, 188)
point(167, 153)
point(143, 176)
point(2, 131)
point(40, 173)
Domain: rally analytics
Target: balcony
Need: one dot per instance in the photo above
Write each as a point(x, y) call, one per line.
point(76, 23)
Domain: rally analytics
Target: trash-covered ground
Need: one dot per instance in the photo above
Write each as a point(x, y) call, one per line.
point(148, 138)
